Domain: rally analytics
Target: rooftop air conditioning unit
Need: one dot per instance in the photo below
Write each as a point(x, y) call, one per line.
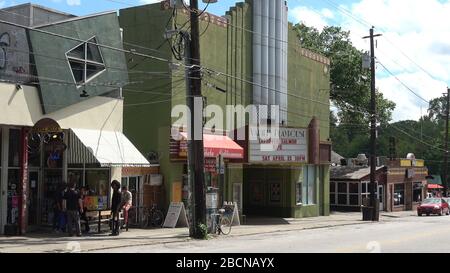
point(361, 159)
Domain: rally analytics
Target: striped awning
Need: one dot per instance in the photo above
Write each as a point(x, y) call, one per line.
point(107, 148)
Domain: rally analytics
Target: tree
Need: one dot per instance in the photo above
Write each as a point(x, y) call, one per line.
point(350, 83)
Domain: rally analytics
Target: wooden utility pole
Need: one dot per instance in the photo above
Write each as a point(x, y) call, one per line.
point(196, 153)
point(373, 131)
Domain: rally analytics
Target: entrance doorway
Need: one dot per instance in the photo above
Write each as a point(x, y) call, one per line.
point(33, 198)
point(133, 184)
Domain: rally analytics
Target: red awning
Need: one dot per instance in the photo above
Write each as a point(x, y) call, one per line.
point(434, 186)
point(214, 145)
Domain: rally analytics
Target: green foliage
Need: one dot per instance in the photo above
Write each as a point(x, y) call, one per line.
point(202, 232)
point(350, 83)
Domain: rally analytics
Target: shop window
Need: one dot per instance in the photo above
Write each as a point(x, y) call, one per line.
point(309, 185)
point(417, 192)
point(342, 187)
point(86, 61)
point(298, 193)
point(353, 188)
point(13, 196)
point(354, 200)
point(34, 150)
point(365, 194)
point(14, 148)
point(98, 181)
point(53, 157)
point(298, 189)
point(342, 199)
point(76, 177)
point(399, 194)
point(332, 193)
point(332, 186)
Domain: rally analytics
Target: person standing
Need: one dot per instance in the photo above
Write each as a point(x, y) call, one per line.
point(83, 216)
point(115, 207)
point(73, 206)
point(126, 203)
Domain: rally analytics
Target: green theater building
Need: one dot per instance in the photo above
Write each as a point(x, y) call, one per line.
point(251, 56)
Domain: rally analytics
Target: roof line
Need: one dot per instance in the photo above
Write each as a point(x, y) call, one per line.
point(75, 19)
point(38, 6)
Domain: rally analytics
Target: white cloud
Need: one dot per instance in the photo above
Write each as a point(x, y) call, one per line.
point(149, 1)
point(73, 2)
point(418, 29)
point(311, 17)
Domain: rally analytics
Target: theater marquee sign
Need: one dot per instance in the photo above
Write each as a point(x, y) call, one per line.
point(291, 145)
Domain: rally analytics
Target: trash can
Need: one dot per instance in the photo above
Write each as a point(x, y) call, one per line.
point(371, 213)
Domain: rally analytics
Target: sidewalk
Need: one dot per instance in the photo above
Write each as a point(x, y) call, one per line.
point(51, 243)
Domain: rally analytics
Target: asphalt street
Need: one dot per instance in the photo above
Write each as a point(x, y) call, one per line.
point(397, 235)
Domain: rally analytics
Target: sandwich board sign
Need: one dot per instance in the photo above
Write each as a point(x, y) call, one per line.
point(235, 221)
point(176, 216)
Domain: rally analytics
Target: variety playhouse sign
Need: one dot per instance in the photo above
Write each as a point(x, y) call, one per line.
point(288, 145)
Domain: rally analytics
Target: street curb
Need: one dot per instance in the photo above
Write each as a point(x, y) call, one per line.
point(237, 235)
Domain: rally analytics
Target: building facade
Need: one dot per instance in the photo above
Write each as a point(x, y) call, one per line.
point(62, 111)
point(401, 185)
point(250, 56)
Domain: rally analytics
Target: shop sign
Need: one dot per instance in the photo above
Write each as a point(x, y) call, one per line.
point(176, 216)
point(210, 165)
point(290, 145)
point(46, 126)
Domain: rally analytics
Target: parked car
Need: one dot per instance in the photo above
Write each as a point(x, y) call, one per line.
point(437, 206)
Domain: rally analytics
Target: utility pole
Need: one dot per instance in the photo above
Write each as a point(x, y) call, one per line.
point(373, 131)
point(447, 113)
point(196, 153)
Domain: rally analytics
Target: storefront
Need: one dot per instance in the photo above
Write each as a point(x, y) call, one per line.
point(147, 188)
point(406, 184)
point(37, 165)
point(350, 186)
point(62, 112)
point(286, 176)
point(219, 151)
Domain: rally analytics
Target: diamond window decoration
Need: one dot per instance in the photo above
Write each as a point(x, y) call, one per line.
point(86, 62)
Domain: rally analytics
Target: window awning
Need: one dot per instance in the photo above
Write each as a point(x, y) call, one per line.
point(110, 149)
point(215, 145)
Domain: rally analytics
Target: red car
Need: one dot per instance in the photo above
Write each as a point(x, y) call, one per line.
point(433, 206)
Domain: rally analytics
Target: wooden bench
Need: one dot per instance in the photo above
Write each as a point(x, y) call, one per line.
point(99, 217)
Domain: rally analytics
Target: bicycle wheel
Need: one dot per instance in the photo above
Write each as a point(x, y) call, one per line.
point(225, 225)
point(157, 218)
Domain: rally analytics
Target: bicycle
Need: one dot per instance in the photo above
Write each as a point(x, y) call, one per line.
point(224, 221)
point(152, 217)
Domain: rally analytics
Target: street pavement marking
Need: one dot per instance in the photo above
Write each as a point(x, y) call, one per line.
point(365, 247)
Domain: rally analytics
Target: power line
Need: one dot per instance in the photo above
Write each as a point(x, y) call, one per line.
point(402, 83)
point(368, 24)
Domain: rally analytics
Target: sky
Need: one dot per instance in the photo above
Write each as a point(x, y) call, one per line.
point(415, 46)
